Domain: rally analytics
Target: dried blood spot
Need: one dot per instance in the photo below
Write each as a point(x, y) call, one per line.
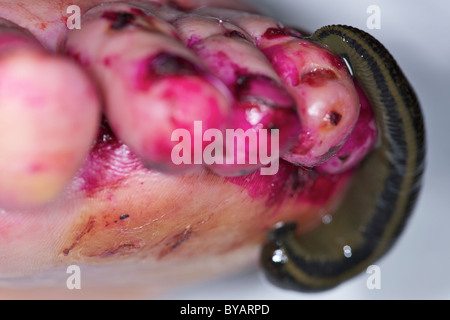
point(318, 77)
point(165, 64)
point(335, 117)
point(119, 19)
point(274, 33)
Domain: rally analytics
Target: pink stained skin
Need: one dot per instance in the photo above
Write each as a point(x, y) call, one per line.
point(135, 231)
point(47, 129)
point(359, 144)
point(158, 69)
point(326, 99)
point(261, 101)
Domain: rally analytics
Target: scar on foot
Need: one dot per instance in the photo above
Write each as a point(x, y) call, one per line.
point(176, 241)
point(89, 226)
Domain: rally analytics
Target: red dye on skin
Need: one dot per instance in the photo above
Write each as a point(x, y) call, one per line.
point(307, 185)
point(107, 61)
point(273, 187)
point(322, 187)
point(318, 77)
point(10, 41)
point(283, 64)
point(83, 61)
point(360, 133)
point(108, 163)
point(193, 40)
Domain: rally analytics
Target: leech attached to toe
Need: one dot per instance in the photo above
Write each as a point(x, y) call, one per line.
point(385, 186)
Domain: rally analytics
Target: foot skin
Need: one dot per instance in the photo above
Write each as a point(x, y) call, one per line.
point(86, 118)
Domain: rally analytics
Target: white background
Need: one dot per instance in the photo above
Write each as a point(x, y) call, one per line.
point(417, 33)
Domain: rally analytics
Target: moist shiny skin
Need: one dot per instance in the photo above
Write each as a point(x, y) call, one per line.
point(134, 228)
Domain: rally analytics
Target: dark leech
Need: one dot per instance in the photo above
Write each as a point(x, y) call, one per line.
point(318, 77)
point(335, 117)
point(119, 20)
point(263, 88)
point(124, 216)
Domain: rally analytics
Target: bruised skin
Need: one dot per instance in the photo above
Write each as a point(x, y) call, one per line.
point(131, 227)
